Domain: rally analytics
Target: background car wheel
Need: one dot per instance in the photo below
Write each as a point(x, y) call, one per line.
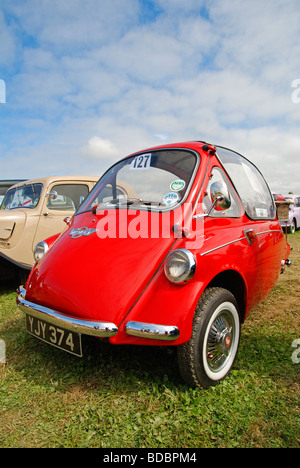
point(292, 228)
point(209, 355)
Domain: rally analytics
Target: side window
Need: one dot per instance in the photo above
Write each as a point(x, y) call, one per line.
point(217, 175)
point(66, 197)
point(255, 194)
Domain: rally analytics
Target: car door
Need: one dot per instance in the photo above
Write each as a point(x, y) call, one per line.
point(260, 218)
point(225, 237)
point(61, 201)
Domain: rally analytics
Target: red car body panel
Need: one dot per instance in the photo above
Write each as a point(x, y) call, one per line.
point(109, 290)
point(123, 279)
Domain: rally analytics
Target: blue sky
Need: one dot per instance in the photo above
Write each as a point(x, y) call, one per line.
point(89, 81)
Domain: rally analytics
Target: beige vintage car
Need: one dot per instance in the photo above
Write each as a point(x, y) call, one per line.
point(35, 210)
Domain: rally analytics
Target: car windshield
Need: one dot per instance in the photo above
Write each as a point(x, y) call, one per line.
point(158, 179)
point(26, 196)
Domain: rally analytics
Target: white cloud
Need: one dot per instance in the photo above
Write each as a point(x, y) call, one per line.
point(70, 24)
point(187, 5)
point(95, 80)
point(7, 43)
point(99, 148)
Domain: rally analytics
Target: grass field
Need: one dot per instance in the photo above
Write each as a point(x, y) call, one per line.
point(134, 397)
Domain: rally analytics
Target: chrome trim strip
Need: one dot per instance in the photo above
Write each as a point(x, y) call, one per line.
point(152, 331)
point(223, 245)
point(270, 230)
point(99, 329)
point(238, 240)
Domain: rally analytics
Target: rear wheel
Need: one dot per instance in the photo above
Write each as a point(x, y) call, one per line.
point(292, 228)
point(209, 355)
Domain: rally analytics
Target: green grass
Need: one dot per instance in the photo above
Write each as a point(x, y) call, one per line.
point(134, 397)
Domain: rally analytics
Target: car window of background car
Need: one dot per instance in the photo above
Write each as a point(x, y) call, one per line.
point(66, 197)
point(255, 195)
point(5, 185)
point(26, 196)
point(217, 175)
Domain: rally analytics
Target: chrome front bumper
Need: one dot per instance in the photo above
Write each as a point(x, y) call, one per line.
point(84, 327)
point(152, 331)
point(99, 329)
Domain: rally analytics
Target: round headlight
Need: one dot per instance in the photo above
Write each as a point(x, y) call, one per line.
point(40, 250)
point(180, 266)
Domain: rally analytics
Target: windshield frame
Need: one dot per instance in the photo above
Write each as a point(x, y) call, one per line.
point(139, 205)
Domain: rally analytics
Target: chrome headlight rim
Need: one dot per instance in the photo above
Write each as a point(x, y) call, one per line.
point(190, 268)
point(40, 250)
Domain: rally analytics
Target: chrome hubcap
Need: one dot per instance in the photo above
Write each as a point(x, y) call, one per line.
point(220, 341)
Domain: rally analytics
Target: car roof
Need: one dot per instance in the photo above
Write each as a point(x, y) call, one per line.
point(50, 179)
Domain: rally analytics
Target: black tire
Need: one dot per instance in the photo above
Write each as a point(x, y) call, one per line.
point(293, 227)
point(207, 358)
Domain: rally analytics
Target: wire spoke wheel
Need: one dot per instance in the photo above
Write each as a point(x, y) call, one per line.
point(209, 355)
point(220, 341)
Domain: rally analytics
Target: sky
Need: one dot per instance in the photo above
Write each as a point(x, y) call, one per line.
point(83, 83)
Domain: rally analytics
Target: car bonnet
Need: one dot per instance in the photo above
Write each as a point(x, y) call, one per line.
point(94, 276)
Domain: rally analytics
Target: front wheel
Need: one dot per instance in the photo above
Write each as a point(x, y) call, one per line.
point(209, 355)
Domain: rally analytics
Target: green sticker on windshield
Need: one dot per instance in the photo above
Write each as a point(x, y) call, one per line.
point(177, 185)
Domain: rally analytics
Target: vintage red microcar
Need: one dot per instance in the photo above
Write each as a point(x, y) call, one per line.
point(173, 247)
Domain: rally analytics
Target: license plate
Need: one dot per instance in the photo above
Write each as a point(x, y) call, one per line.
point(60, 338)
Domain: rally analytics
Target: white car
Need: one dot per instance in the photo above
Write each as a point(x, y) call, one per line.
point(293, 222)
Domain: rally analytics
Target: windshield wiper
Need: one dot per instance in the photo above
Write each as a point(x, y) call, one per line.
point(113, 201)
point(149, 202)
point(127, 202)
point(132, 201)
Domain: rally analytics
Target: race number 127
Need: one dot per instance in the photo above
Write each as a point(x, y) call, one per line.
point(141, 162)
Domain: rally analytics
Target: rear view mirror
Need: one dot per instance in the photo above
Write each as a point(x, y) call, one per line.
point(53, 195)
point(220, 196)
point(220, 199)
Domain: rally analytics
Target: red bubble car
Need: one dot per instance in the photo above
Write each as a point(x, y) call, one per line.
point(173, 247)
